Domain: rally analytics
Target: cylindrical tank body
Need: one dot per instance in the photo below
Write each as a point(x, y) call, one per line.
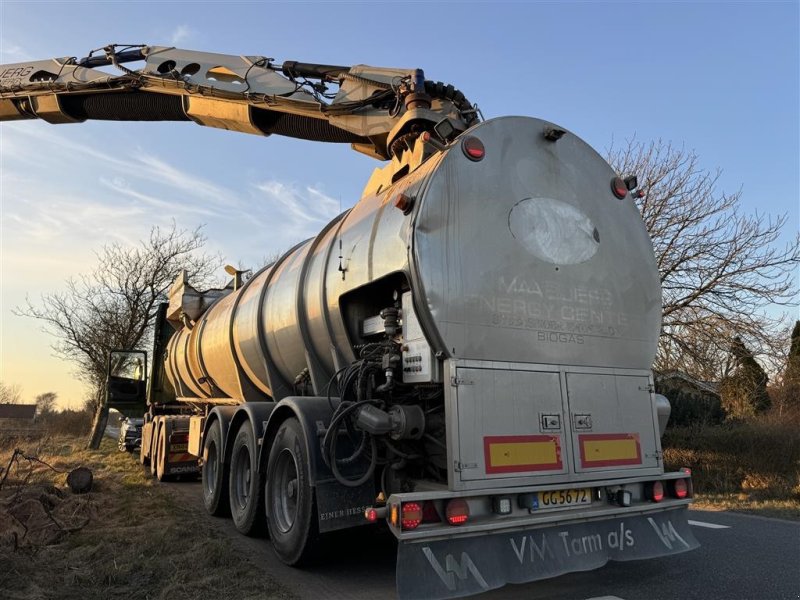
point(523, 256)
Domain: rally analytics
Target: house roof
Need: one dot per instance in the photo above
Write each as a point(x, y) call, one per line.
point(707, 386)
point(17, 411)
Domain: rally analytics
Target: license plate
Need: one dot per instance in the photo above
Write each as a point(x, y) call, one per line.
point(561, 498)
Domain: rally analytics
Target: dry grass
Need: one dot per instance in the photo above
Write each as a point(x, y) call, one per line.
point(139, 542)
point(748, 467)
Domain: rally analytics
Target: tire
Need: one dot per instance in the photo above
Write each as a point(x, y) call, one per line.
point(291, 509)
point(245, 488)
point(154, 448)
point(161, 463)
point(214, 474)
point(143, 460)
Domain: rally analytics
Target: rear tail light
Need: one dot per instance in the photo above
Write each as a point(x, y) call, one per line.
point(411, 515)
point(655, 491)
point(473, 148)
point(371, 515)
point(680, 489)
point(457, 511)
point(619, 188)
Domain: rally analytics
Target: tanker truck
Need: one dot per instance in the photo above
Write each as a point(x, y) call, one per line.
point(463, 357)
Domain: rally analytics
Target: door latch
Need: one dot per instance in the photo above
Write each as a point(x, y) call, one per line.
point(550, 422)
point(582, 422)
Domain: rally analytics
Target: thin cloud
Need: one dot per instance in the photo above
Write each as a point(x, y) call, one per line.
point(12, 53)
point(163, 173)
point(22, 143)
point(304, 206)
point(123, 187)
point(181, 34)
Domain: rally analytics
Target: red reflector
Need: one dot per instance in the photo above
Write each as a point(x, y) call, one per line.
point(429, 514)
point(371, 515)
point(411, 515)
point(457, 511)
point(619, 188)
point(680, 488)
point(474, 149)
point(656, 491)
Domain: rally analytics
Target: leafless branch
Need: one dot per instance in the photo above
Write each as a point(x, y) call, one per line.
point(720, 268)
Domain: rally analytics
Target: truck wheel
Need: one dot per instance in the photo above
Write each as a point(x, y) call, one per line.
point(154, 448)
point(290, 503)
point(245, 489)
point(143, 460)
point(161, 463)
point(214, 475)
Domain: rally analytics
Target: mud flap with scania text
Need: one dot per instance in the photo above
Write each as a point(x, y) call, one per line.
point(470, 565)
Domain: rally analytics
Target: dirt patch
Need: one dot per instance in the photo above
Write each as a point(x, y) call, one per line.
point(125, 539)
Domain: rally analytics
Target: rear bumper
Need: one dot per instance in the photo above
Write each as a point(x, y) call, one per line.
point(472, 563)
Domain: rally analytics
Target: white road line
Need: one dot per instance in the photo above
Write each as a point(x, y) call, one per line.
point(708, 525)
point(606, 598)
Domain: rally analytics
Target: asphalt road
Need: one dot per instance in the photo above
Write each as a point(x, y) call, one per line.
point(741, 557)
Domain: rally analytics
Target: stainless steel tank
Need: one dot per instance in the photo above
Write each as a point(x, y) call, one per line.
point(524, 256)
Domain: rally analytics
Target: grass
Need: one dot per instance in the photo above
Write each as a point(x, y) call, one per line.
point(749, 467)
point(127, 538)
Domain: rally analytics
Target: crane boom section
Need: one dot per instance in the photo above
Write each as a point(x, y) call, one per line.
point(371, 108)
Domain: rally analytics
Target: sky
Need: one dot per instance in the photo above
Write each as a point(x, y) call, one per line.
point(717, 78)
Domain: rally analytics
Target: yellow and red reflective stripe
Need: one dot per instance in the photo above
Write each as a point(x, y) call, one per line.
point(609, 449)
point(521, 453)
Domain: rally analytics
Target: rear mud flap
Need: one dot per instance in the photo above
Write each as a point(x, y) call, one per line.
point(470, 565)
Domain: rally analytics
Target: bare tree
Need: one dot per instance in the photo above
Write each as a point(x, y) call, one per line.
point(46, 404)
point(10, 394)
point(720, 268)
point(115, 305)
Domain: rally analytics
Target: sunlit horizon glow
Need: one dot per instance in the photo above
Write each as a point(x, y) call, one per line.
point(721, 79)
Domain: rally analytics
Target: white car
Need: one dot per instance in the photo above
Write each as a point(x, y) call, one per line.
point(130, 434)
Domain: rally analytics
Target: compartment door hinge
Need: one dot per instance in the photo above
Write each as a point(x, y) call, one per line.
point(457, 381)
point(459, 466)
point(658, 455)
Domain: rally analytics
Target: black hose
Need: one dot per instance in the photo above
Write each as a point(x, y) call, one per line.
point(329, 446)
point(366, 476)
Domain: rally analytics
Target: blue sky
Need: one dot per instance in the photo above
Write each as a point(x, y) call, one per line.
point(719, 78)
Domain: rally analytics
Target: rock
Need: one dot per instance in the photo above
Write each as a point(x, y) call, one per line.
point(80, 480)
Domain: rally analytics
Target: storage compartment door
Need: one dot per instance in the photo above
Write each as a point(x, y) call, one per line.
point(613, 424)
point(511, 424)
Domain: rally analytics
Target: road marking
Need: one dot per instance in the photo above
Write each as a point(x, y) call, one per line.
point(708, 525)
point(606, 598)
